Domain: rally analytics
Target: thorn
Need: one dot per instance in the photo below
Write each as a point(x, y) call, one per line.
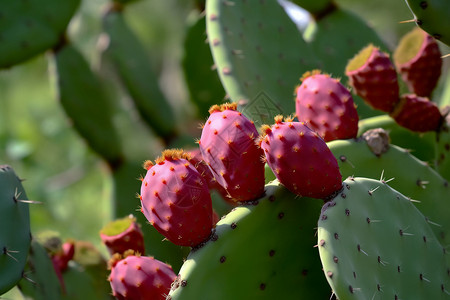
point(402, 232)
point(8, 252)
point(373, 190)
point(432, 223)
point(30, 201)
point(407, 21)
point(423, 278)
point(382, 176)
point(412, 200)
point(389, 180)
point(29, 279)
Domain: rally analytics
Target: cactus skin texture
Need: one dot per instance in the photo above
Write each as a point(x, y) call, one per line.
point(132, 64)
point(228, 147)
point(123, 234)
point(423, 144)
point(300, 159)
point(417, 114)
point(418, 59)
point(373, 77)
point(259, 55)
point(432, 16)
point(41, 282)
point(421, 183)
point(374, 244)
point(23, 21)
point(326, 106)
point(89, 108)
point(135, 277)
point(443, 148)
point(238, 264)
point(175, 199)
point(15, 236)
point(202, 80)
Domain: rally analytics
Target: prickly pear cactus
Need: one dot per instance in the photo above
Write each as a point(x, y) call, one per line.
point(374, 244)
point(132, 64)
point(31, 27)
point(249, 41)
point(432, 16)
point(15, 236)
point(239, 263)
point(88, 108)
point(41, 281)
point(374, 158)
point(443, 148)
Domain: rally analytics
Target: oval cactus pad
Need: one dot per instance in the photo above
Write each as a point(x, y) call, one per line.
point(375, 244)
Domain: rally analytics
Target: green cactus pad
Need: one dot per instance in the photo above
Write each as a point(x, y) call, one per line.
point(433, 17)
point(405, 173)
point(374, 244)
point(15, 236)
point(421, 145)
point(443, 149)
point(261, 251)
point(28, 28)
point(202, 80)
point(132, 63)
point(259, 54)
point(41, 282)
point(86, 103)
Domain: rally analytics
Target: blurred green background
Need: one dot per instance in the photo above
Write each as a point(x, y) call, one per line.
point(36, 139)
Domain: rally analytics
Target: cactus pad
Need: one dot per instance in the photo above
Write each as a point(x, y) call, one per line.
point(28, 28)
point(374, 244)
point(15, 236)
point(250, 254)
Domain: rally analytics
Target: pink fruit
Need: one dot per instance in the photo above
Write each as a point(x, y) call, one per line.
point(201, 166)
point(228, 147)
point(373, 77)
point(123, 234)
point(326, 106)
point(175, 199)
point(300, 159)
point(138, 277)
point(418, 59)
point(417, 113)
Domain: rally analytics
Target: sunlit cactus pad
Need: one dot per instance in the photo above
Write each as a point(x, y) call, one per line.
point(374, 244)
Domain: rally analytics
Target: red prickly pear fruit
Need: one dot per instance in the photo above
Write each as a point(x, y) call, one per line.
point(373, 77)
point(175, 199)
point(228, 147)
point(326, 106)
point(123, 234)
point(201, 166)
point(417, 114)
point(418, 59)
point(61, 259)
point(135, 277)
point(300, 159)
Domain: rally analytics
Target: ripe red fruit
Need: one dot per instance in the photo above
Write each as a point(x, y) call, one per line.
point(373, 77)
point(417, 114)
point(326, 106)
point(138, 277)
point(123, 234)
point(418, 59)
point(228, 147)
point(300, 159)
point(175, 199)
